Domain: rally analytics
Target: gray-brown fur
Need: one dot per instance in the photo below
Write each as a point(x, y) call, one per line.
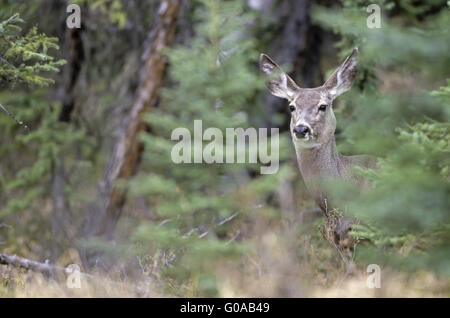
point(312, 129)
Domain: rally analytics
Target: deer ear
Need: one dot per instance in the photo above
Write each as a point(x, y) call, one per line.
point(279, 83)
point(342, 79)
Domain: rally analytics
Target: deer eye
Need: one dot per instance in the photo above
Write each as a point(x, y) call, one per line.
point(323, 107)
point(291, 108)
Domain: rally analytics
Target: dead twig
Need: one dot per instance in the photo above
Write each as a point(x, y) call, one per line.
point(14, 118)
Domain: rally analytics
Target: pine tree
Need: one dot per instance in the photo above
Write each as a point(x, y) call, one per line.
point(406, 215)
point(24, 57)
point(214, 80)
point(28, 159)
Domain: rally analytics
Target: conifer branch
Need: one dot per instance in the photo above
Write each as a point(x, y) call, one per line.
point(15, 119)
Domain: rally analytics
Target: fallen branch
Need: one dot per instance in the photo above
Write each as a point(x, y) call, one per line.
point(44, 268)
point(51, 270)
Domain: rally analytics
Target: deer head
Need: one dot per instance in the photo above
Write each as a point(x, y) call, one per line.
point(312, 122)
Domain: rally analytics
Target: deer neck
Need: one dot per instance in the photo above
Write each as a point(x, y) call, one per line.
point(319, 163)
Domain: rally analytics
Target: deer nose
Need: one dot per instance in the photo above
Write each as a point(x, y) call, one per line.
point(301, 131)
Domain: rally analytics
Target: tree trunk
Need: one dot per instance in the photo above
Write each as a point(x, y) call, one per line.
point(128, 149)
point(61, 217)
point(71, 72)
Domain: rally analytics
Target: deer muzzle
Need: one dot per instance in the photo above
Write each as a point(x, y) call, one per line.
point(301, 131)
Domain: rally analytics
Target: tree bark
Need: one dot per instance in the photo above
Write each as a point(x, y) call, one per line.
point(71, 72)
point(61, 217)
point(53, 271)
point(128, 149)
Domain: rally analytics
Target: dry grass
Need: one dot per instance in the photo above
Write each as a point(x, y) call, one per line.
point(20, 283)
point(251, 278)
point(283, 262)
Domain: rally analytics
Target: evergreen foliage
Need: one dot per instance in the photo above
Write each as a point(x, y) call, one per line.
point(25, 181)
point(406, 215)
point(217, 229)
point(113, 9)
point(213, 80)
point(24, 57)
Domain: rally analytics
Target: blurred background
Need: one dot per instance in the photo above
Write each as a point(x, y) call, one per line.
point(91, 182)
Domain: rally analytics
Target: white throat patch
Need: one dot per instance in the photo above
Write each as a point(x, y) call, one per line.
point(305, 143)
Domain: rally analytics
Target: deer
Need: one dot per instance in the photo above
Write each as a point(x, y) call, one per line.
point(312, 128)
